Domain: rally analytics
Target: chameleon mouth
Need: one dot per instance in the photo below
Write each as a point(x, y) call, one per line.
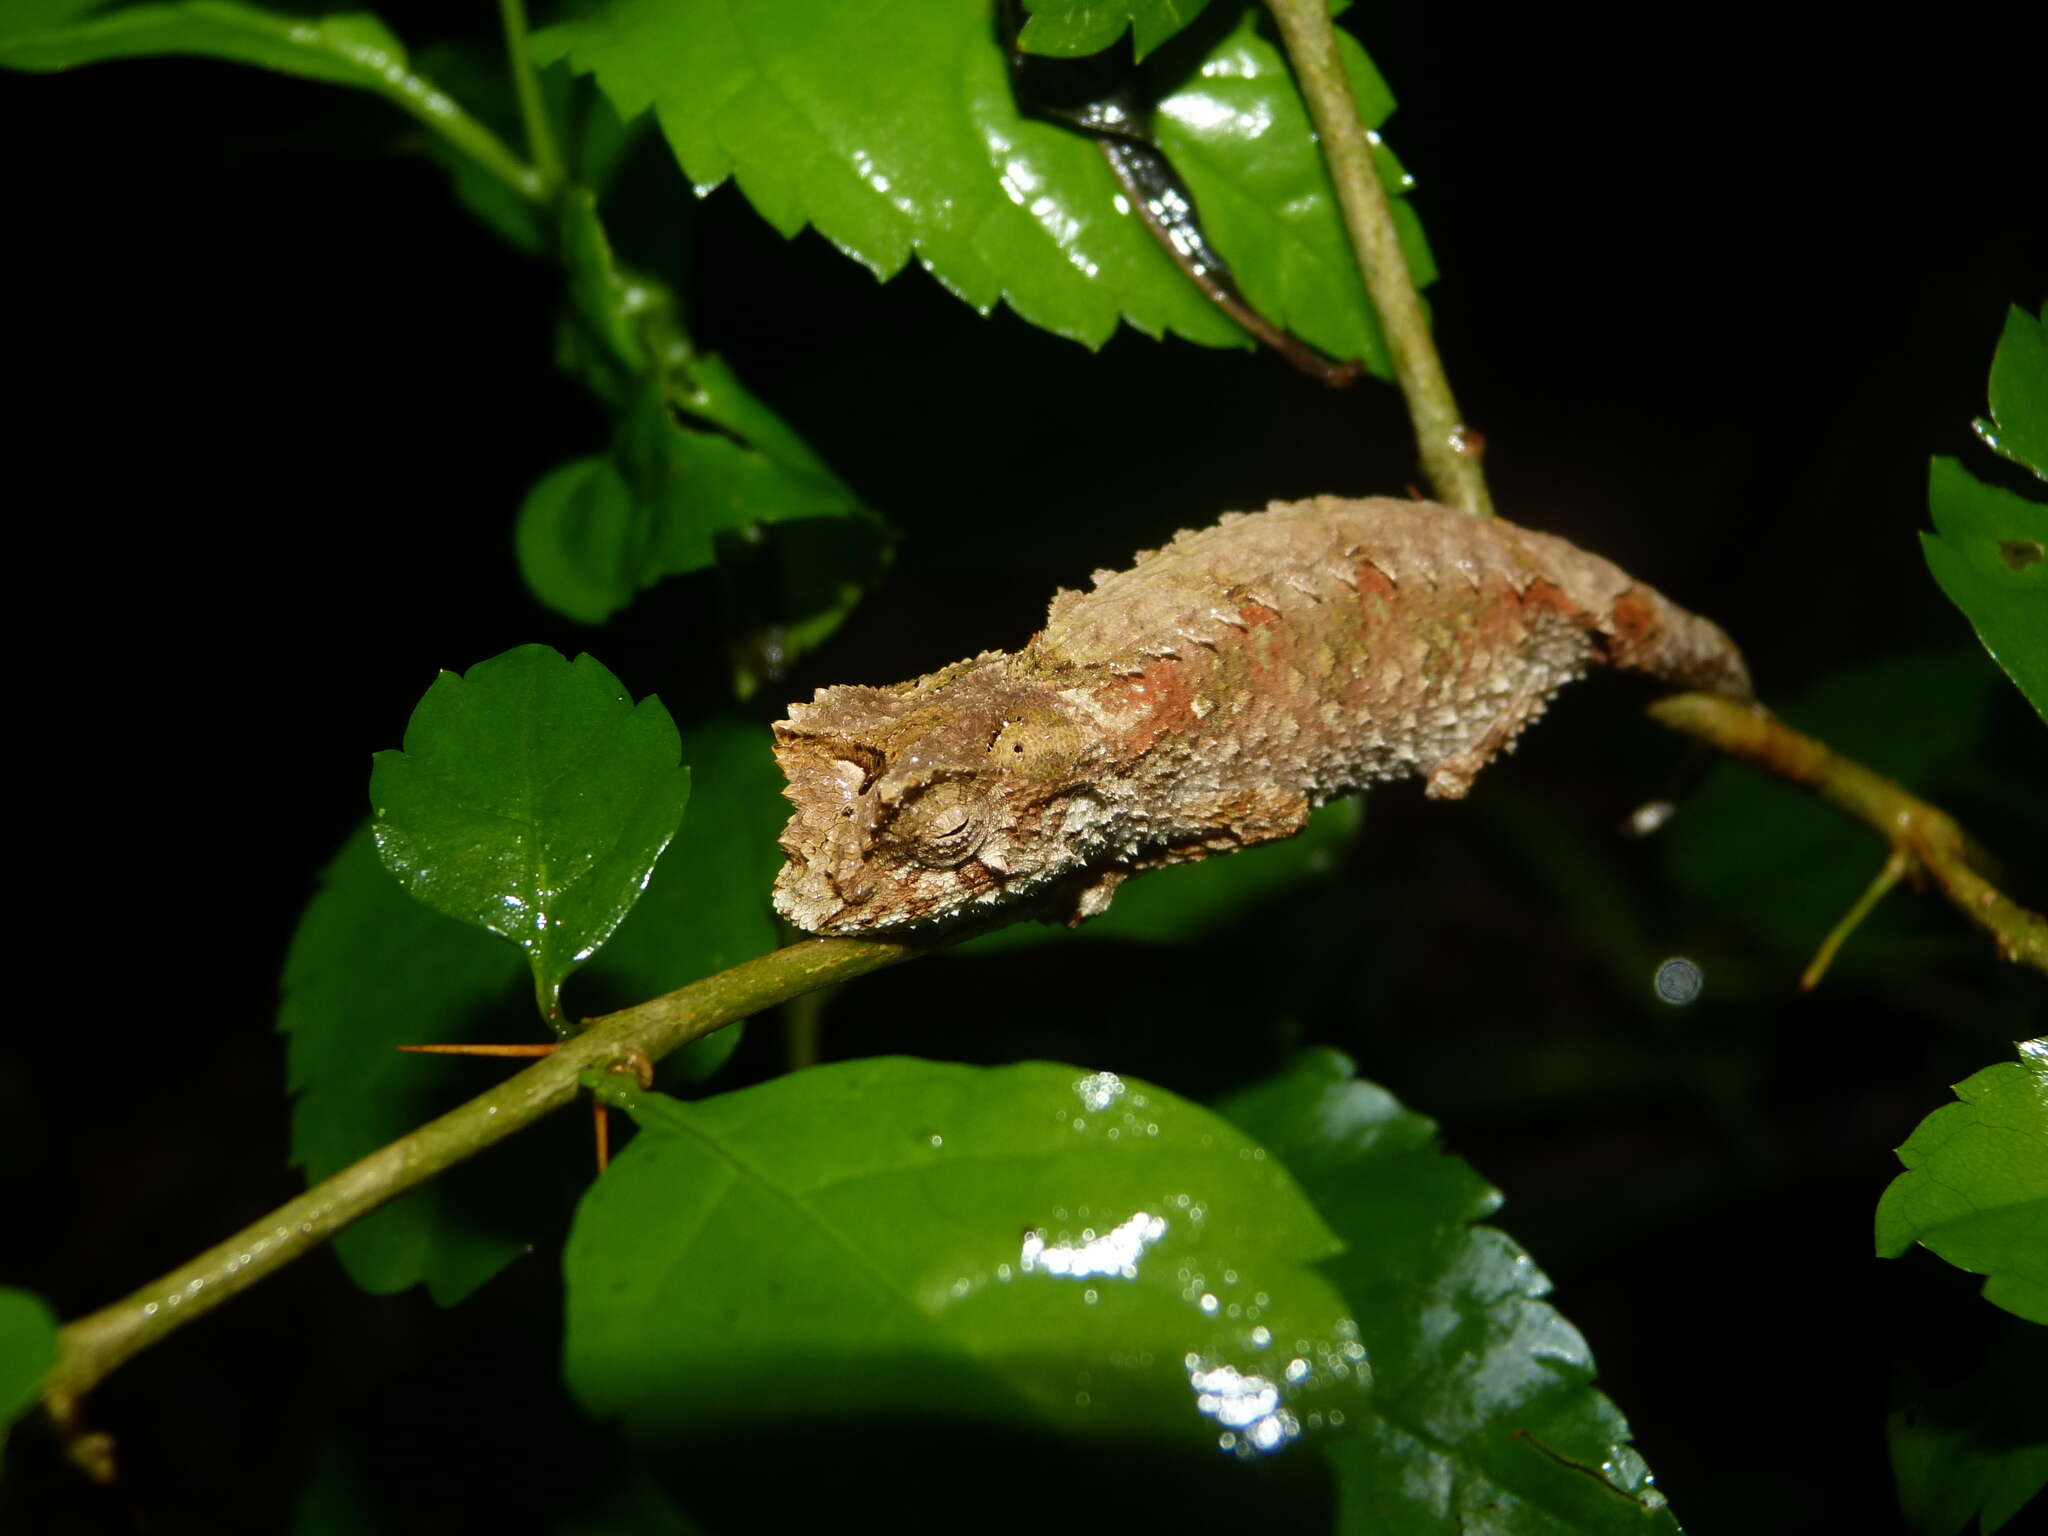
point(813, 900)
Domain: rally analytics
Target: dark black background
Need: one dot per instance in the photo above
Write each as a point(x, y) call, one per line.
point(1716, 284)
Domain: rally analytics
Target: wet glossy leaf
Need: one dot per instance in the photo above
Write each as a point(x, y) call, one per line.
point(2018, 427)
point(1186, 901)
point(1977, 1447)
point(1068, 28)
point(1026, 1245)
point(371, 969)
point(1975, 1189)
point(28, 1348)
point(1990, 555)
point(707, 906)
point(531, 799)
point(349, 49)
point(1483, 1416)
point(999, 207)
point(1240, 135)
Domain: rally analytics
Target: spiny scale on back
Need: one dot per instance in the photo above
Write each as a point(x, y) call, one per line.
point(1205, 700)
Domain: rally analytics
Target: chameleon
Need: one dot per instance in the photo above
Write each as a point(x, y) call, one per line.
point(1203, 701)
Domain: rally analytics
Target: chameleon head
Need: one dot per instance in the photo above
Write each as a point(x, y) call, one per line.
point(922, 803)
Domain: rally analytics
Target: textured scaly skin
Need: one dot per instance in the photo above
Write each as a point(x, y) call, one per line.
point(1203, 701)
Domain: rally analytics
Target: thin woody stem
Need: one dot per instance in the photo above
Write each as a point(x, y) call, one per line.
point(1929, 838)
point(1449, 449)
point(95, 1345)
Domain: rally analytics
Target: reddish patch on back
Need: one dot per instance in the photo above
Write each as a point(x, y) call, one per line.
point(1548, 596)
point(1377, 594)
point(1157, 701)
point(1635, 627)
point(1268, 648)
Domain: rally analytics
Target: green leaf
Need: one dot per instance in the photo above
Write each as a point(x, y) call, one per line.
point(826, 117)
point(371, 969)
point(352, 49)
point(893, 1236)
point(575, 530)
point(1975, 1189)
point(596, 532)
point(531, 799)
point(707, 907)
point(2018, 427)
point(349, 49)
point(1070, 28)
point(1978, 1446)
point(698, 470)
point(1186, 901)
point(996, 205)
point(1990, 555)
point(1239, 133)
point(28, 1348)
point(1483, 1415)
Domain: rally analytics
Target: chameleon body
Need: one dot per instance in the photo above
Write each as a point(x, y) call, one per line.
point(1203, 701)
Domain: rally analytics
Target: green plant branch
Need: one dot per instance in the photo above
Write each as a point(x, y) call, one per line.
point(440, 112)
point(533, 113)
point(1449, 449)
point(93, 1346)
point(1927, 837)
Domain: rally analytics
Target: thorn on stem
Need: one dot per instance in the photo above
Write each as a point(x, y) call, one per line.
point(639, 1066)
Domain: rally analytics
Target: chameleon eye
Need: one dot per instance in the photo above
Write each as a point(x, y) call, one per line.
point(942, 827)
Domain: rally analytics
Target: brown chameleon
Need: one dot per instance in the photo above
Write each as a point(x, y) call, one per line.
point(1202, 701)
